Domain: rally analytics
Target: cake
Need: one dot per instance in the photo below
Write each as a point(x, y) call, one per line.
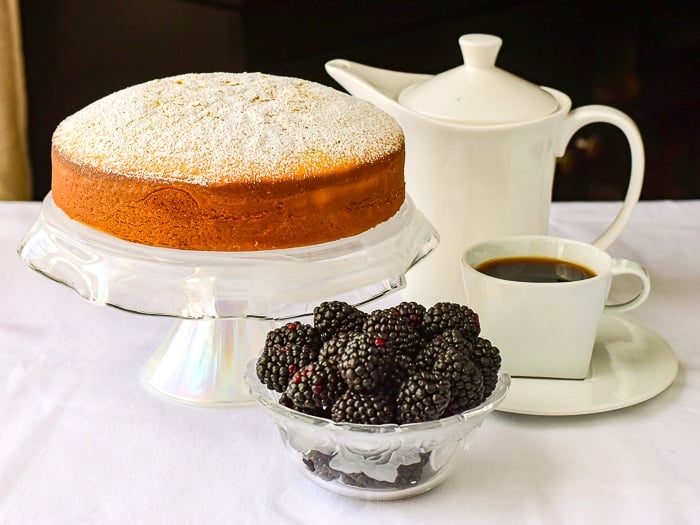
point(228, 162)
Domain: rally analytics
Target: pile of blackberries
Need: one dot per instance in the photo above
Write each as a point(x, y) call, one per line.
point(403, 364)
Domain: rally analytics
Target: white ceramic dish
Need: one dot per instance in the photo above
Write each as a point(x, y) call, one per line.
point(631, 364)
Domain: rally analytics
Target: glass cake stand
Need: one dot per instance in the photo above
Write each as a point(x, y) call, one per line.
point(223, 302)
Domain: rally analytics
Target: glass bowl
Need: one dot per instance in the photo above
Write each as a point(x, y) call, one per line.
point(378, 462)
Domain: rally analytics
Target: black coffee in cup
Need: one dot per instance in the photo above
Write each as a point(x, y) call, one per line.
point(534, 269)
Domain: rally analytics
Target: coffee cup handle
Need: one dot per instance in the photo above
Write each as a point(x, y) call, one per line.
point(627, 267)
point(585, 115)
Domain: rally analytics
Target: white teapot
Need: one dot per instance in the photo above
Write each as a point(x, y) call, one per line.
point(481, 146)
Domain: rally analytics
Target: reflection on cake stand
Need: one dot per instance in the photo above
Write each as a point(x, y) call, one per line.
point(224, 302)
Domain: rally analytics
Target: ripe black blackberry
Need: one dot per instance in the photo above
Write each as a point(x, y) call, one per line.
point(318, 463)
point(365, 409)
point(287, 349)
point(273, 369)
point(363, 362)
point(422, 397)
point(314, 388)
point(488, 359)
point(439, 344)
point(285, 401)
point(403, 367)
point(413, 312)
point(333, 317)
point(397, 332)
point(406, 476)
point(452, 338)
point(331, 349)
point(444, 316)
point(425, 360)
point(294, 332)
point(465, 379)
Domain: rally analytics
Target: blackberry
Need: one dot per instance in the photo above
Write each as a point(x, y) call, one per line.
point(314, 388)
point(363, 362)
point(318, 463)
point(422, 397)
point(465, 379)
point(286, 402)
point(333, 317)
point(294, 333)
point(444, 316)
point(413, 312)
point(406, 476)
point(397, 332)
point(452, 338)
point(331, 349)
point(409, 475)
point(365, 409)
point(287, 349)
point(425, 360)
point(488, 359)
point(403, 367)
point(449, 339)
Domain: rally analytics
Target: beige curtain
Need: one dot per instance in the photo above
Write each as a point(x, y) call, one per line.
point(15, 178)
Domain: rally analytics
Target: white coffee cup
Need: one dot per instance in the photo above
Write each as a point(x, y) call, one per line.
point(545, 329)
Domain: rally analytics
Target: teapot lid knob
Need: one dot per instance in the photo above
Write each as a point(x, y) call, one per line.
point(479, 50)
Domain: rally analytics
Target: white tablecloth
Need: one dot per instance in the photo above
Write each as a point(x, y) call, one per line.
point(82, 441)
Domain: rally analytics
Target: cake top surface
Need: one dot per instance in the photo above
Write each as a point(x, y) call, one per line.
point(218, 127)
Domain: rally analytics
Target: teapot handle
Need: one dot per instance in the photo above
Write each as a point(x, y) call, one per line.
point(585, 115)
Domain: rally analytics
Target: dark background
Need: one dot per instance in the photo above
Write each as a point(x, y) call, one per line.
point(641, 57)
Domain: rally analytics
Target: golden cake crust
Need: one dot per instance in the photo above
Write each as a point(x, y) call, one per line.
point(229, 162)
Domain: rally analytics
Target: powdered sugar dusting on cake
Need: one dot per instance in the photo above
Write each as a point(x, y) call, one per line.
point(214, 127)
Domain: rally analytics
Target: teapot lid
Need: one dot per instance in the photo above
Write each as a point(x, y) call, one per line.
point(478, 92)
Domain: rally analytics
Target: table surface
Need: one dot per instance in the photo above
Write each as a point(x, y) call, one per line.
point(83, 441)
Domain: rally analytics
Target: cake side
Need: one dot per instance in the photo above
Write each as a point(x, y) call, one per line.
point(231, 216)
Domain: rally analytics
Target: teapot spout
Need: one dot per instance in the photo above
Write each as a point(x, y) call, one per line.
point(381, 87)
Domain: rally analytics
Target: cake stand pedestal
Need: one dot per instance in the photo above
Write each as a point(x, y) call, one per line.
point(224, 302)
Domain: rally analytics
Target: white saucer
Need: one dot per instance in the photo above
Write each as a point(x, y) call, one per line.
point(630, 364)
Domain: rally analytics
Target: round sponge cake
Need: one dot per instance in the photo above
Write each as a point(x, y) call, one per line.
point(229, 162)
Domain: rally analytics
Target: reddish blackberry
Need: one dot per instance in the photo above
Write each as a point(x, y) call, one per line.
point(397, 332)
point(333, 317)
point(363, 362)
point(444, 316)
point(365, 409)
point(287, 349)
point(314, 388)
point(465, 379)
point(488, 359)
point(422, 397)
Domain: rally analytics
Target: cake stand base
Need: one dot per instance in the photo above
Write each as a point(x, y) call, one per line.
point(202, 362)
